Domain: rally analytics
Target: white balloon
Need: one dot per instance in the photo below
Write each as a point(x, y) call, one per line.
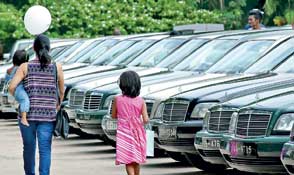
point(37, 19)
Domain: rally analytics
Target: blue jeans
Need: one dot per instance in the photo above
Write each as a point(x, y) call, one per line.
point(42, 132)
point(22, 98)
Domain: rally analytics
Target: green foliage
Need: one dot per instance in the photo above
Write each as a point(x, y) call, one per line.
point(11, 25)
point(91, 18)
point(289, 15)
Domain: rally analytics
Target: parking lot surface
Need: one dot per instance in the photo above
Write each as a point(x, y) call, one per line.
point(77, 156)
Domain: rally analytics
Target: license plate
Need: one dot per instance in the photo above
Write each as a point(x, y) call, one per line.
point(111, 125)
point(5, 100)
point(211, 143)
point(167, 132)
point(240, 149)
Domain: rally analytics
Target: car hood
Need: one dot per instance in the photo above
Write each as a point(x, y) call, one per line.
point(198, 89)
point(86, 70)
point(279, 81)
point(282, 102)
point(112, 77)
point(199, 93)
point(67, 67)
point(164, 81)
point(255, 97)
point(3, 68)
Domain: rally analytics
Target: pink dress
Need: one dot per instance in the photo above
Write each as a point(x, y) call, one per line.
point(130, 135)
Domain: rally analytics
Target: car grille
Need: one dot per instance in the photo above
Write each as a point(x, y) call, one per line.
point(175, 111)
point(76, 98)
point(219, 120)
point(210, 153)
point(255, 161)
point(252, 123)
point(92, 101)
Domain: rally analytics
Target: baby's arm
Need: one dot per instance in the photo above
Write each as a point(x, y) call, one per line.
point(114, 111)
point(144, 113)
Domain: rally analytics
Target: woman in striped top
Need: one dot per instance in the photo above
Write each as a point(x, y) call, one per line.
point(39, 78)
point(131, 137)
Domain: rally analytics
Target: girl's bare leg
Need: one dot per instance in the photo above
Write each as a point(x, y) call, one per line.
point(130, 169)
point(137, 168)
point(24, 120)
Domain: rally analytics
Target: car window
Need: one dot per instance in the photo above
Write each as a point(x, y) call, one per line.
point(206, 56)
point(273, 58)
point(287, 66)
point(84, 51)
point(129, 55)
point(68, 51)
point(101, 48)
point(240, 58)
point(113, 52)
point(178, 55)
point(157, 53)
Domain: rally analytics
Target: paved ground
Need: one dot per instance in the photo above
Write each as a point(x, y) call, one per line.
point(76, 156)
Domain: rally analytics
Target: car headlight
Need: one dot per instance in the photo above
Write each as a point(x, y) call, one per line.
point(159, 111)
point(233, 122)
point(200, 110)
point(292, 134)
point(108, 101)
point(285, 122)
point(205, 120)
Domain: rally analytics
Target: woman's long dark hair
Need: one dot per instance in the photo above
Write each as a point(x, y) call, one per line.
point(130, 84)
point(42, 47)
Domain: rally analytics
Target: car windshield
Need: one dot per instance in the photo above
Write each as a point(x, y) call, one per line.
point(240, 58)
point(206, 56)
point(113, 52)
point(178, 55)
point(84, 51)
point(56, 51)
point(68, 51)
point(101, 48)
point(129, 55)
point(287, 66)
point(157, 52)
point(273, 58)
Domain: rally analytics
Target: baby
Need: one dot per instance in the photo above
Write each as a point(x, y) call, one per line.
point(20, 94)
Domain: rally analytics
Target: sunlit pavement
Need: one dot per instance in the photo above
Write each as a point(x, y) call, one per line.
point(76, 156)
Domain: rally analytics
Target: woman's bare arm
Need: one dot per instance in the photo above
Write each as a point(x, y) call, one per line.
point(145, 114)
point(114, 111)
point(60, 78)
point(20, 74)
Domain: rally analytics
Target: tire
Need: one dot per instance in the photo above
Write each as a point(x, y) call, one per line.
point(178, 157)
point(199, 163)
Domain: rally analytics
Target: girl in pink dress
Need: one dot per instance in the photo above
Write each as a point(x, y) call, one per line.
point(131, 113)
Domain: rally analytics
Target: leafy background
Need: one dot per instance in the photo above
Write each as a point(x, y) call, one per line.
point(91, 18)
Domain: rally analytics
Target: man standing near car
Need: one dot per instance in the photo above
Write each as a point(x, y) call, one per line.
point(254, 19)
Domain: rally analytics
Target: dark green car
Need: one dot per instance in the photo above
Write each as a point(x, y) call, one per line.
point(217, 120)
point(259, 133)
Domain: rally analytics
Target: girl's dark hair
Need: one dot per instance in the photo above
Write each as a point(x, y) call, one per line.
point(42, 47)
point(19, 57)
point(130, 84)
